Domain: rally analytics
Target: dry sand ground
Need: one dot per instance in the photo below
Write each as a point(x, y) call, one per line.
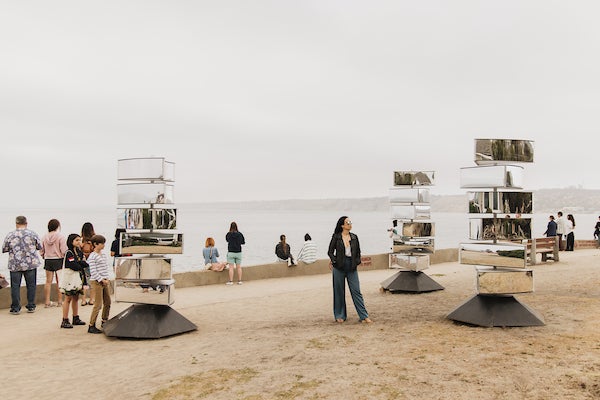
point(276, 339)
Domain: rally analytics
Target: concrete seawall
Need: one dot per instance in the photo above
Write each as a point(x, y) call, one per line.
point(255, 272)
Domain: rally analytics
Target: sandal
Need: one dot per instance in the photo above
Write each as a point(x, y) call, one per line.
point(51, 304)
point(91, 303)
point(84, 303)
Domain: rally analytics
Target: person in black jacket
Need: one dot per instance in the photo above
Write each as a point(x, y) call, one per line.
point(344, 253)
point(73, 261)
point(235, 240)
point(284, 253)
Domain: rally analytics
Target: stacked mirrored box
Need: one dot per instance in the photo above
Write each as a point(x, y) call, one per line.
point(500, 215)
point(412, 231)
point(146, 211)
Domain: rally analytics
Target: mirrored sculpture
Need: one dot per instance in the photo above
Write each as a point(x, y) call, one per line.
point(159, 292)
point(145, 193)
point(410, 262)
point(500, 202)
point(146, 169)
point(492, 176)
point(494, 282)
point(414, 178)
point(410, 212)
point(504, 229)
point(151, 243)
point(415, 245)
point(496, 151)
point(409, 195)
point(143, 268)
point(492, 254)
point(147, 218)
point(417, 229)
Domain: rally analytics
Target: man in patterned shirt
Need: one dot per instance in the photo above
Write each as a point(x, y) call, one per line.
point(22, 246)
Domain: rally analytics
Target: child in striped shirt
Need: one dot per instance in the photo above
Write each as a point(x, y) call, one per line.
point(99, 281)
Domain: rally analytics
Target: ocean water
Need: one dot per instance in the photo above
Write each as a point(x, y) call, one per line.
point(261, 229)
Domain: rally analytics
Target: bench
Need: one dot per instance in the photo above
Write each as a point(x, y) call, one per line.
point(547, 247)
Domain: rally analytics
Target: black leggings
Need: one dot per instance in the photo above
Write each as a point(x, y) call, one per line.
point(570, 241)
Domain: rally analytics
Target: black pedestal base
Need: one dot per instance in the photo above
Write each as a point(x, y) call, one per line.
point(410, 281)
point(495, 310)
point(147, 321)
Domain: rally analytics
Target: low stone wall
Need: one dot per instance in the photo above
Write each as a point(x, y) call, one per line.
point(265, 271)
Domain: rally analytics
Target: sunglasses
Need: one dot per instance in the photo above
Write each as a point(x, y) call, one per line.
point(348, 222)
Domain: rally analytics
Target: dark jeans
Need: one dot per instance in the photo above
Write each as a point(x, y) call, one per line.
point(570, 241)
point(339, 293)
point(15, 288)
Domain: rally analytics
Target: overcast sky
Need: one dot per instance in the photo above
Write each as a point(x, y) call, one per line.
point(262, 100)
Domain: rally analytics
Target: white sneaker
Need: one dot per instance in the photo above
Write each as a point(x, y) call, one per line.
point(240, 282)
point(229, 283)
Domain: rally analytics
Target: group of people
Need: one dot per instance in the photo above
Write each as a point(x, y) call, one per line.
point(344, 255)
point(76, 263)
point(562, 227)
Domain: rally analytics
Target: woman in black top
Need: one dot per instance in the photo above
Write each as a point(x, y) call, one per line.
point(235, 240)
point(344, 253)
point(283, 252)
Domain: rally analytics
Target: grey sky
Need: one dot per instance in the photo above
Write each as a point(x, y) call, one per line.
point(262, 100)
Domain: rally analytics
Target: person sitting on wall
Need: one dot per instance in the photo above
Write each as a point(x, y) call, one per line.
point(283, 252)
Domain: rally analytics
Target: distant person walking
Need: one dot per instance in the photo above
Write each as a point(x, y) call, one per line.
point(22, 246)
point(561, 228)
point(235, 240)
point(54, 247)
point(283, 251)
point(344, 253)
point(308, 252)
point(570, 232)
point(551, 228)
point(597, 231)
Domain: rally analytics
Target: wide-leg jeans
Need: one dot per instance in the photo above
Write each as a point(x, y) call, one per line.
point(339, 294)
point(15, 288)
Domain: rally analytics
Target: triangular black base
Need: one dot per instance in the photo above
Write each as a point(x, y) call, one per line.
point(410, 281)
point(147, 321)
point(495, 310)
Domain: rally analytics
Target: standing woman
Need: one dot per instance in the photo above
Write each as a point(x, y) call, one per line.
point(570, 232)
point(87, 231)
point(54, 247)
point(344, 253)
point(235, 240)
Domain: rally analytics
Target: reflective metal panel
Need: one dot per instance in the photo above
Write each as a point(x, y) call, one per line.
point(152, 168)
point(414, 178)
point(147, 218)
point(494, 281)
point(500, 202)
point(409, 262)
point(151, 243)
point(417, 229)
point(500, 229)
point(145, 193)
point(406, 195)
point(410, 212)
point(414, 245)
point(503, 151)
point(161, 292)
point(142, 268)
point(492, 176)
point(506, 255)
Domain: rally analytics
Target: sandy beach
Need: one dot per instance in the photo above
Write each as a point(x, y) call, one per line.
point(276, 339)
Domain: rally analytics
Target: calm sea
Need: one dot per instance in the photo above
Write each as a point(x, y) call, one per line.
point(261, 229)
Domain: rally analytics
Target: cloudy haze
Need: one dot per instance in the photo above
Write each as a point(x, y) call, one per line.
point(262, 100)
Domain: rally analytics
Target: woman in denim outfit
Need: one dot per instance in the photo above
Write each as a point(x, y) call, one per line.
point(344, 253)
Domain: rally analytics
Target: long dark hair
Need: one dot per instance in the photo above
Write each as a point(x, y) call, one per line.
point(70, 241)
point(572, 218)
point(339, 224)
point(233, 227)
point(87, 231)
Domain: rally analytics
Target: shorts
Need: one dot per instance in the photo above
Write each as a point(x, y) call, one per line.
point(53, 264)
point(234, 258)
